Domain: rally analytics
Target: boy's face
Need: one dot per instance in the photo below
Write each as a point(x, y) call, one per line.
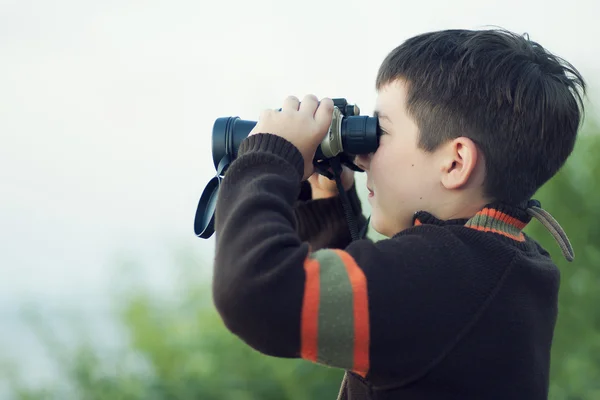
point(402, 179)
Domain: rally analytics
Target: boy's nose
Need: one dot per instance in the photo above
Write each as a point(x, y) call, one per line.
point(363, 160)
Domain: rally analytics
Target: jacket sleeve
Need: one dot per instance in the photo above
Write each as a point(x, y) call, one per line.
point(386, 307)
point(322, 222)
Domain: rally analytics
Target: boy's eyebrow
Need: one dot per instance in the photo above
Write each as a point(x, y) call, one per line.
point(381, 116)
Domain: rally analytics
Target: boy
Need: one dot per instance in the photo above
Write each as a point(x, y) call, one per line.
point(457, 303)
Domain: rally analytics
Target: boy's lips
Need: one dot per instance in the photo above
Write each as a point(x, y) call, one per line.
point(371, 193)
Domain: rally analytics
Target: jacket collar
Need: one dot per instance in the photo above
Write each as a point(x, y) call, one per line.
point(497, 218)
point(506, 220)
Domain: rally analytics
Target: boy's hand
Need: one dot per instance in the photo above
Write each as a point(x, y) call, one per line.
point(323, 187)
point(303, 124)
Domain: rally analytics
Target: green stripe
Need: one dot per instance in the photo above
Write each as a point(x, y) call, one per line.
point(493, 223)
point(336, 318)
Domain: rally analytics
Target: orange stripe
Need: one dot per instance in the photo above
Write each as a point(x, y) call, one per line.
point(358, 281)
point(310, 311)
point(519, 238)
point(417, 222)
point(493, 213)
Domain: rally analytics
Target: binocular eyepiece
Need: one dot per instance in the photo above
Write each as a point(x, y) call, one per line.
point(350, 134)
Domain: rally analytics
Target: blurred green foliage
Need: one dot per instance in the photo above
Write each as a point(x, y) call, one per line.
point(176, 350)
point(180, 349)
point(573, 198)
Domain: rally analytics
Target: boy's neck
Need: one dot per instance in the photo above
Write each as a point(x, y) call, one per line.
point(465, 206)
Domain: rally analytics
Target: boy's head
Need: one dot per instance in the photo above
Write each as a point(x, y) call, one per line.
point(468, 118)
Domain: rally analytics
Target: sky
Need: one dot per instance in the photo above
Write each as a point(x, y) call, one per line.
point(106, 112)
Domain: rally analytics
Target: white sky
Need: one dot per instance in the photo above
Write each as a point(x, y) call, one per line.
point(106, 110)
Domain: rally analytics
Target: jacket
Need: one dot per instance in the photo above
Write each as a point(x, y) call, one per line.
point(460, 309)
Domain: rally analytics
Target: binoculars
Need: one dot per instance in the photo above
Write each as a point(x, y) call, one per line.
point(350, 134)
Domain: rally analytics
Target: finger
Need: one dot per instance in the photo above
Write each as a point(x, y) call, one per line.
point(309, 104)
point(291, 103)
point(324, 113)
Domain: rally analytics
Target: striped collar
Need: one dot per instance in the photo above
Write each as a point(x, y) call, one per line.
point(497, 218)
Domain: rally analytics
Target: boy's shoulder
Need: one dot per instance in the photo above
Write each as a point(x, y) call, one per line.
point(467, 244)
point(463, 281)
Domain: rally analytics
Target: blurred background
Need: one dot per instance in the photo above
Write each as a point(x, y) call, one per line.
point(106, 111)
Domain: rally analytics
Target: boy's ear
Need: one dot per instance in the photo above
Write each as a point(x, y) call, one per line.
point(459, 162)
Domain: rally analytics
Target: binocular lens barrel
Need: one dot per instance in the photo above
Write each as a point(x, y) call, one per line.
point(359, 135)
point(228, 133)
